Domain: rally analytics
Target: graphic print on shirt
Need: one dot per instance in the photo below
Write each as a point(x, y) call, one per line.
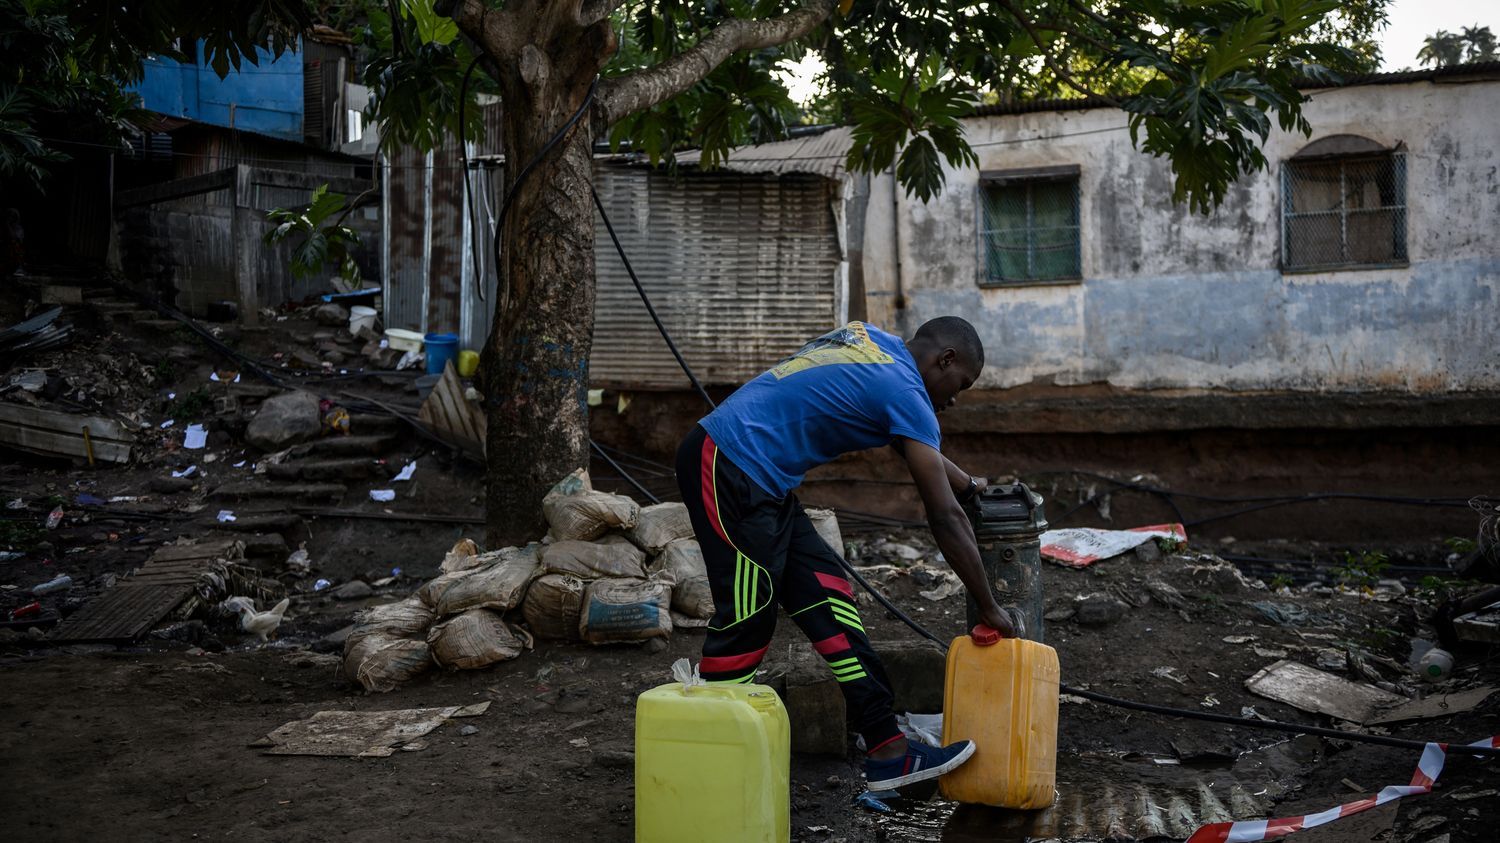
point(849, 344)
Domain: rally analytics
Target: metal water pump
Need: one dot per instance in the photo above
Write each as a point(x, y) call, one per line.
point(1008, 522)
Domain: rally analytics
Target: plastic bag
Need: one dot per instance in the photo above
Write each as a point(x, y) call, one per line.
point(474, 639)
point(553, 605)
point(682, 563)
point(826, 522)
point(661, 524)
point(500, 582)
point(684, 671)
point(576, 512)
point(611, 556)
point(616, 610)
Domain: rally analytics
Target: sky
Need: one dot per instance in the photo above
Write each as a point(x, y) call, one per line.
point(1411, 21)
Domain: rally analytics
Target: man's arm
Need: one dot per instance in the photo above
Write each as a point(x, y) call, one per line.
point(958, 479)
point(951, 527)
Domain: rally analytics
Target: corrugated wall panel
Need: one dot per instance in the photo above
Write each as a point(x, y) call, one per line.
point(406, 215)
point(741, 269)
point(446, 239)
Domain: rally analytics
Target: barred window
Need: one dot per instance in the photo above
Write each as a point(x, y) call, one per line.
point(1344, 211)
point(1028, 226)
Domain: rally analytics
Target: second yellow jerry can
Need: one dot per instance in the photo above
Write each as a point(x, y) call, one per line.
point(1002, 694)
point(712, 762)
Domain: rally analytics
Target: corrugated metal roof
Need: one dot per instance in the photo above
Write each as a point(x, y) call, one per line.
point(821, 153)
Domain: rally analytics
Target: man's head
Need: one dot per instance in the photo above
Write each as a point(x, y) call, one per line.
point(950, 357)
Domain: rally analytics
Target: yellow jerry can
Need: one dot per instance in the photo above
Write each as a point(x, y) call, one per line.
point(1002, 694)
point(712, 762)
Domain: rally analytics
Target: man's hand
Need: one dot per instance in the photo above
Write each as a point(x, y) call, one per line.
point(997, 618)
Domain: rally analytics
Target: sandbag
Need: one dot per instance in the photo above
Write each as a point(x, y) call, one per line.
point(463, 556)
point(407, 618)
point(681, 564)
point(499, 582)
point(617, 610)
point(576, 512)
point(611, 556)
point(552, 606)
point(827, 525)
point(661, 524)
point(380, 663)
point(474, 639)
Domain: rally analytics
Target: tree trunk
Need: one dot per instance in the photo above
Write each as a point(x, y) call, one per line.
point(536, 360)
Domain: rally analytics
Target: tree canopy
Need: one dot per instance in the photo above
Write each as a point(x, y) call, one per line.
point(1469, 44)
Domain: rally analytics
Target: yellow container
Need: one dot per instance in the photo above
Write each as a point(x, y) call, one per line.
point(712, 763)
point(468, 363)
point(1003, 697)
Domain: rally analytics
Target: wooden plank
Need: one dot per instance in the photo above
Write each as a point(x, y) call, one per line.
point(121, 614)
point(99, 427)
point(202, 550)
point(176, 189)
point(63, 440)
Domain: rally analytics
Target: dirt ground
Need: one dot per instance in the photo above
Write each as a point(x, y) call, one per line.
point(154, 740)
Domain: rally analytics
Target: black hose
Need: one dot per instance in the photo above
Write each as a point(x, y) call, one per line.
point(463, 154)
point(647, 301)
point(620, 471)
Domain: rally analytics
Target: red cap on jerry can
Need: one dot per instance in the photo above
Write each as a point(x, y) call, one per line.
point(984, 636)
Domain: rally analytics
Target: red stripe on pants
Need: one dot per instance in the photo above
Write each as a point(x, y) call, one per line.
point(834, 644)
point(833, 583)
point(724, 664)
point(710, 500)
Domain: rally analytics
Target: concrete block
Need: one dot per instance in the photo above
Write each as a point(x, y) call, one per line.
point(916, 670)
point(814, 705)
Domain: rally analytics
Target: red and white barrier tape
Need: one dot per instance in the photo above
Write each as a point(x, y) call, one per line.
point(1429, 767)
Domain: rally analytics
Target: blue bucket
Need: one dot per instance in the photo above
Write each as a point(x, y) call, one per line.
point(440, 349)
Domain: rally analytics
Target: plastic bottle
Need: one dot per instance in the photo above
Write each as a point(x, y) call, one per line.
point(1436, 665)
point(62, 583)
point(54, 518)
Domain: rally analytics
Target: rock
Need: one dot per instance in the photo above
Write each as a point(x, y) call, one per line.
point(468, 731)
point(352, 590)
point(335, 357)
point(615, 759)
point(383, 358)
point(301, 359)
point(334, 640)
point(1428, 823)
point(1166, 594)
point(9, 635)
point(834, 782)
point(1061, 614)
point(332, 315)
point(35, 633)
point(285, 420)
point(656, 645)
point(1098, 609)
point(1148, 552)
point(171, 485)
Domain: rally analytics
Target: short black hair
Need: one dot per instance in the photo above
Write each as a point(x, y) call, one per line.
point(956, 333)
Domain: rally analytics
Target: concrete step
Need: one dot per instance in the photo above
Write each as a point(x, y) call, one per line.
point(350, 446)
point(251, 490)
point(336, 469)
point(290, 527)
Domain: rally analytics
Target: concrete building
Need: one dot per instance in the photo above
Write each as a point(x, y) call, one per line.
point(1330, 326)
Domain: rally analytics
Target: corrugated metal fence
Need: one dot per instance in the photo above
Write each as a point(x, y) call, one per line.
point(742, 268)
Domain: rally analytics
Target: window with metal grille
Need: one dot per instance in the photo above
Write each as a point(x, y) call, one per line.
point(1028, 226)
point(1344, 211)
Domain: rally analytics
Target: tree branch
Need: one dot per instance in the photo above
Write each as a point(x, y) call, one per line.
point(492, 29)
point(1057, 69)
point(625, 95)
point(593, 11)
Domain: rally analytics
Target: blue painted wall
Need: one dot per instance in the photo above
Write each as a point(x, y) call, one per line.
point(264, 98)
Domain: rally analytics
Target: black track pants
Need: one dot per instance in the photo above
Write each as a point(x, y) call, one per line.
point(762, 551)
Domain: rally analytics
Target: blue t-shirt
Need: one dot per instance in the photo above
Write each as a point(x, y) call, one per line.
point(853, 388)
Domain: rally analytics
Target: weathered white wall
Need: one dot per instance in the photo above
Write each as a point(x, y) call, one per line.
point(1173, 299)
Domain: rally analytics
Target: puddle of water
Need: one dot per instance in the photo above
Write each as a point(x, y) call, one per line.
point(1103, 796)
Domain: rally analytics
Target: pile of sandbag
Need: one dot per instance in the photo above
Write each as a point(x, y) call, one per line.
point(609, 571)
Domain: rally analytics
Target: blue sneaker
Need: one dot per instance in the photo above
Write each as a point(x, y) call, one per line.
point(920, 763)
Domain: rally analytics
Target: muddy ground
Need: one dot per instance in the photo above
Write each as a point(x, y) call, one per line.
point(153, 740)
